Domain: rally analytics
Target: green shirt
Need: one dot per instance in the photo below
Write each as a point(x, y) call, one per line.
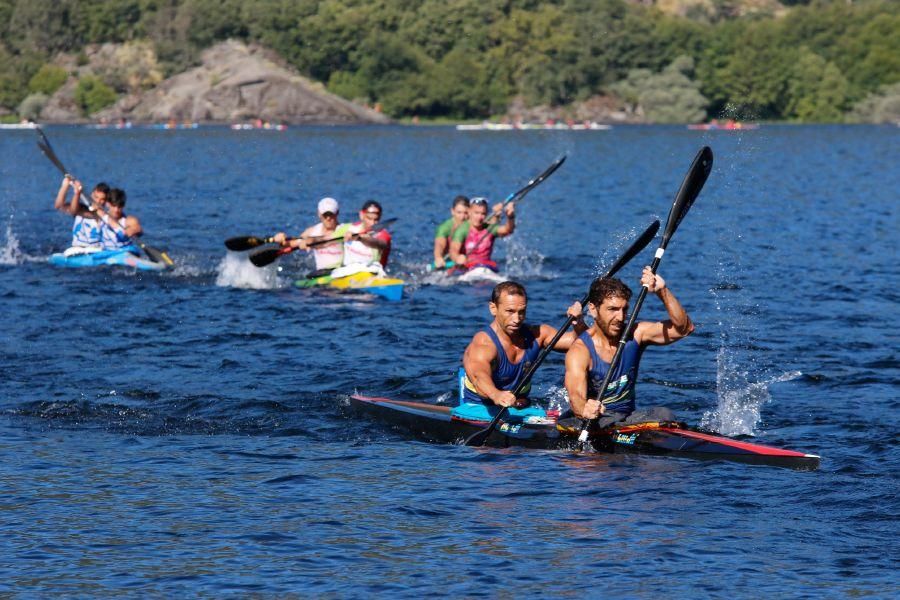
point(445, 229)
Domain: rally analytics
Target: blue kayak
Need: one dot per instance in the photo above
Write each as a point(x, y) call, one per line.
point(126, 257)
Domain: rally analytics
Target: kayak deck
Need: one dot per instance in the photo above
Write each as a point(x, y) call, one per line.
point(121, 258)
point(389, 288)
point(436, 423)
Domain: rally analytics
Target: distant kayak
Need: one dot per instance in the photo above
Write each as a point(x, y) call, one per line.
point(441, 423)
point(124, 258)
point(481, 275)
point(588, 126)
point(361, 281)
point(723, 126)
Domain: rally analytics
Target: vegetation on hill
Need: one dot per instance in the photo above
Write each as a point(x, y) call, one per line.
point(814, 60)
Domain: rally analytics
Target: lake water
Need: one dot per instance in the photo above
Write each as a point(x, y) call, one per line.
point(188, 432)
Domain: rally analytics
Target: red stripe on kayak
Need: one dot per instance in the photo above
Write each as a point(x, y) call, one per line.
point(746, 446)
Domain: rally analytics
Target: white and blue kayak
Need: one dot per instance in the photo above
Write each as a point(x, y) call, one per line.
point(125, 257)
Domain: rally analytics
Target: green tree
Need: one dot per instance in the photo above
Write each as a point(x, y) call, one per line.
point(880, 107)
point(817, 90)
point(47, 80)
point(91, 95)
point(32, 105)
point(670, 96)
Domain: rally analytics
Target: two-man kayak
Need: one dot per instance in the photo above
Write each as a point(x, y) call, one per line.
point(359, 281)
point(442, 424)
point(126, 257)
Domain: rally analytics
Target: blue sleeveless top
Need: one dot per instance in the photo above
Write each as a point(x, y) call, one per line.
point(620, 393)
point(506, 375)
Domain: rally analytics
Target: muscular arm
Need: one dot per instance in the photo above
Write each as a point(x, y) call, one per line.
point(440, 250)
point(510, 225)
point(133, 226)
point(545, 332)
point(60, 202)
point(477, 362)
point(578, 362)
point(661, 333)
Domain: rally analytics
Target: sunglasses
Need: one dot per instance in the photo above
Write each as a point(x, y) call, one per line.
point(478, 201)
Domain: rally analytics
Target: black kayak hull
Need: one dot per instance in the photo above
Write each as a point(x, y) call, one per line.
point(435, 423)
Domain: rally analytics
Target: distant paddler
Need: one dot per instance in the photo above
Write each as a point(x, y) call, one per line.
point(498, 357)
point(328, 256)
point(459, 212)
point(119, 231)
point(365, 243)
point(472, 243)
point(86, 228)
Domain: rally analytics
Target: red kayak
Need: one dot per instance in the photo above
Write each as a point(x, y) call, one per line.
point(437, 423)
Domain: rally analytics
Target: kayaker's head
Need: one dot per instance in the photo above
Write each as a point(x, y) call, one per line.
point(328, 213)
point(508, 305)
point(99, 194)
point(608, 305)
point(478, 209)
point(370, 214)
point(460, 210)
point(115, 203)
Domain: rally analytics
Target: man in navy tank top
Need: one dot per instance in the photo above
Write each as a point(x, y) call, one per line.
point(587, 361)
point(499, 355)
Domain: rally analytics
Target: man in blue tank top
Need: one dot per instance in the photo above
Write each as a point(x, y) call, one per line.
point(587, 361)
point(498, 356)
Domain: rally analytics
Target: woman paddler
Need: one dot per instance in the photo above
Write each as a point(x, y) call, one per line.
point(473, 242)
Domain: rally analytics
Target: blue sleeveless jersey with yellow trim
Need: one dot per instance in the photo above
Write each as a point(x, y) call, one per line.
point(506, 375)
point(620, 392)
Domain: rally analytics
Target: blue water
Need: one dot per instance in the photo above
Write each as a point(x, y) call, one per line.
point(188, 432)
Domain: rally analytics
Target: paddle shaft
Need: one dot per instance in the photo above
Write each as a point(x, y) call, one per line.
point(690, 187)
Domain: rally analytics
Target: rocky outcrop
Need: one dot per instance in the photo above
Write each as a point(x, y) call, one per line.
point(236, 83)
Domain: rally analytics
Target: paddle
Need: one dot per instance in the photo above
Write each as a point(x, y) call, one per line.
point(516, 196)
point(249, 242)
point(478, 438)
point(154, 254)
point(270, 255)
point(690, 188)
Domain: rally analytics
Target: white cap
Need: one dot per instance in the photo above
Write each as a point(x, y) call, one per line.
point(328, 205)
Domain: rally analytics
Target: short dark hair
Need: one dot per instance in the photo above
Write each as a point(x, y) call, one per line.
point(369, 204)
point(607, 287)
point(509, 287)
point(460, 200)
point(102, 187)
point(116, 197)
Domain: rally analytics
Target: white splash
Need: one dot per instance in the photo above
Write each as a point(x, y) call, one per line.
point(522, 262)
point(740, 400)
point(10, 254)
point(236, 271)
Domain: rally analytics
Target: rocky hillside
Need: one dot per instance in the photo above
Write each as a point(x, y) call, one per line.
point(234, 83)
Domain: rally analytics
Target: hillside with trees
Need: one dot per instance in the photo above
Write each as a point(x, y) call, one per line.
point(668, 61)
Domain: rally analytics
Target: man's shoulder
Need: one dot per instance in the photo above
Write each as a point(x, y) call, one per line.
point(444, 229)
point(461, 232)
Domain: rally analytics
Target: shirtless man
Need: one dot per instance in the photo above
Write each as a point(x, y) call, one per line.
point(588, 359)
point(498, 356)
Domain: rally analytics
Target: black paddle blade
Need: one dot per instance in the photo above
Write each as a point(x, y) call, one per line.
point(537, 180)
point(247, 242)
point(690, 188)
point(48, 152)
point(157, 255)
point(265, 257)
point(479, 437)
point(635, 249)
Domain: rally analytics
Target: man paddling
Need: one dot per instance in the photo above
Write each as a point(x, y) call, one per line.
point(498, 356)
point(362, 245)
point(327, 256)
point(86, 229)
point(459, 212)
point(119, 230)
point(473, 242)
point(587, 361)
